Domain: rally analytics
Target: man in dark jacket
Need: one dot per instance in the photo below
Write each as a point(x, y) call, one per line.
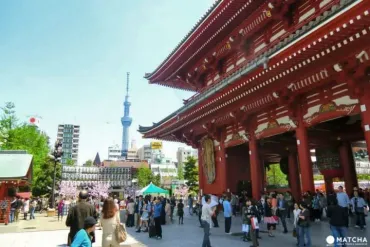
point(338, 220)
point(282, 210)
point(77, 215)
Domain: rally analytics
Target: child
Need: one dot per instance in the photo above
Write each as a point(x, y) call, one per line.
point(82, 238)
point(180, 212)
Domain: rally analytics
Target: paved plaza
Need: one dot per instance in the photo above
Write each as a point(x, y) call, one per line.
point(47, 232)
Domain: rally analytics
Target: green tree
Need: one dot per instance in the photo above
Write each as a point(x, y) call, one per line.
point(156, 179)
point(70, 162)
point(275, 176)
point(180, 172)
point(43, 182)
point(24, 137)
point(191, 174)
point(89, 163)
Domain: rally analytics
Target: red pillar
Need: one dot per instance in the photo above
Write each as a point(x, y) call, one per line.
point(255, 168)
point(329, 186)
point(304, 156)
point(295, 186)
point(349, 171)
point(365, 115)
point(200, 170)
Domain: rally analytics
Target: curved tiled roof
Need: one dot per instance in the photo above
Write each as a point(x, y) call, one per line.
point(204, 17)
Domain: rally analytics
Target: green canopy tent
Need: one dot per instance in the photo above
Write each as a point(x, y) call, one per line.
point(152, 189)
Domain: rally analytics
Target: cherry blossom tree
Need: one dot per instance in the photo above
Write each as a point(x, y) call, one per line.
point(68, 189)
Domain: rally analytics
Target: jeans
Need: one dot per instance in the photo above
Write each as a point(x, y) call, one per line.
point(190, 209)
point(227, 224)
point(32, 213)
point(338, 231)
point(360, 219)
point(234, 209)
point(283, 217)
point(12, 215)
point(158, 226)
point(206, 240)
point(253, 234)
point(304, 232)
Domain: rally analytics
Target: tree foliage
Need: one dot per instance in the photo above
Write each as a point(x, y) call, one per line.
point(88, 163)
point(180, 172)
point(275, 176)
point(191, 174)
point(145, 176)
point(70, 162)
point(28, 138)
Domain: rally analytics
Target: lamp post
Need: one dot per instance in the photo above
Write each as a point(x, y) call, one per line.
point(57, 154)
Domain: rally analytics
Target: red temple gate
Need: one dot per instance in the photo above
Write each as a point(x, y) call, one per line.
point(273, 80)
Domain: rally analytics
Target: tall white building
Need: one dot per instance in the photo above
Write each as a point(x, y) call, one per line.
point(183, 153)
point(69, 135)
point(145, 152)
point(114, 153)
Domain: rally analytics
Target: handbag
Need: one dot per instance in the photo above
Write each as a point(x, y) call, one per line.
point(294, 233)
point(121, 234)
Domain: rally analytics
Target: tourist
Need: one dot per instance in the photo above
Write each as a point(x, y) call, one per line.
point(252, 220)
point(317, 205)
point(139, 210)
point(13, 208)
point(245, 223)
point(33, 206)
point(157, 217)
point(227, 214)
point(78, 214)
point(337, 222)
point(296, 213)
point(145, 216)
point(289, 200)
point(282, 207)
point(190, 204)
point(163, 212)
point(60, 208)
point(207, 213)
point(343, 201)
point(269, 218)
point(173, 205)
point(200, 211)
point(109, 220)
point(18, 209)
point(180, 212)
point(26, 208)
point(304, 226)
point(83, 238)
point(131, 213)
point(358, 205)
point(168, 211)
point(233, 203)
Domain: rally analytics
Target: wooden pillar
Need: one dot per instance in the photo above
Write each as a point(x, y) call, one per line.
point(365, 115)
point(295, 185)
point(329, 186)
point(304, 156)
point(200, 170)
point(347, 164)
point(255, 167)
point(221, 162)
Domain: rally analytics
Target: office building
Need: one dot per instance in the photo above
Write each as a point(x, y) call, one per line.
point(69, 135)
point(114, 153)
point(183, 153)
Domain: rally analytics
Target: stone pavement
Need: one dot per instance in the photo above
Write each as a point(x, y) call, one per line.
point(48, 233)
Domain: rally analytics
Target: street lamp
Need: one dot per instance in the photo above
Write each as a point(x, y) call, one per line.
point(57, 154)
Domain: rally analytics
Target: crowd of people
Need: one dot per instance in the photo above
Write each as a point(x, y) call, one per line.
point(274, 208)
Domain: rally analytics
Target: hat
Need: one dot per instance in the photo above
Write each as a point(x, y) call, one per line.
point(83, 194)
point(89, 222)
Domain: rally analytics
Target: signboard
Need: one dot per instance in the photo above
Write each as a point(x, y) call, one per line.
point(156, 145)
point(327, 158)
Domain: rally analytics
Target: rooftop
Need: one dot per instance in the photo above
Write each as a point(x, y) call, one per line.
point(15, 165)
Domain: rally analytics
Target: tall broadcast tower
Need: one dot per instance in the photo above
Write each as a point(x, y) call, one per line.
point(126, 121)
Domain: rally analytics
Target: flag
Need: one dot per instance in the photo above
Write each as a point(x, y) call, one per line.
point(34, 121)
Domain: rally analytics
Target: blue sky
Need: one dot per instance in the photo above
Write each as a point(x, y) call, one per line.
point(66, 61)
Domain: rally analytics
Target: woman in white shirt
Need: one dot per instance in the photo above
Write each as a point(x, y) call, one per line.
point(109, 221)
point(296, 213)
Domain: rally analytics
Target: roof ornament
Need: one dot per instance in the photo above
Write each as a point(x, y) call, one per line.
point(337, 67)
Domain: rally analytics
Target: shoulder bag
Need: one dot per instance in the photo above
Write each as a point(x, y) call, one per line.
point(121, 234)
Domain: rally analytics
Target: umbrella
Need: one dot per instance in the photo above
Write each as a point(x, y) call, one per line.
point(214, 201)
